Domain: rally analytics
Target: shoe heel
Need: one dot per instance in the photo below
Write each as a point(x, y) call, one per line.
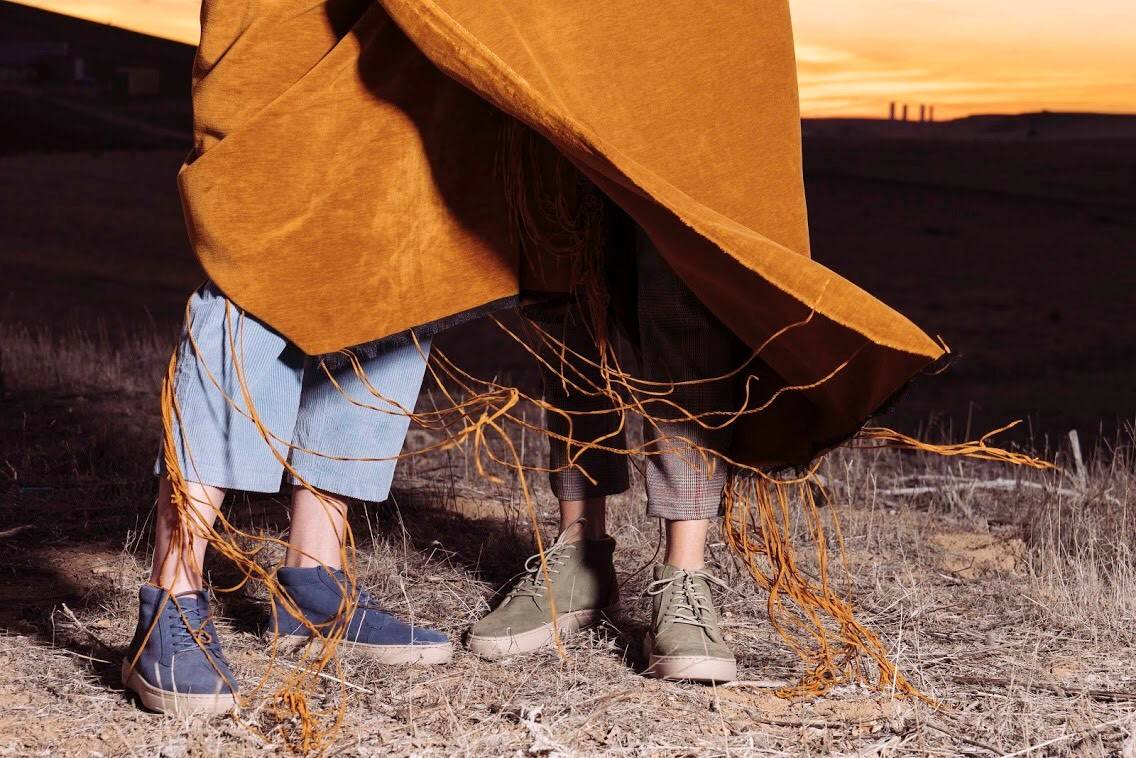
point(173, 703)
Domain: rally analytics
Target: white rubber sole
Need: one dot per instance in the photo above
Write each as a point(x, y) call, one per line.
point(393, 655)
point(534, 639)
point(692, 668)
point(175, 703)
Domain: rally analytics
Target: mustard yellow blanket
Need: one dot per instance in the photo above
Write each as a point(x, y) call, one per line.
point(346, 183)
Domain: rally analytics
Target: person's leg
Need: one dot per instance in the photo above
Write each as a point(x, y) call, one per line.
point(683, 342)
point(686, 544)
point(175, 663)
point(580, 562)
point(317, 530)
point(165, 666)
point(571, 386)
point(350, 430)
point(179, 549)
point(328, 423)
point(583, 502)
point(227, 361)
point(583, 519)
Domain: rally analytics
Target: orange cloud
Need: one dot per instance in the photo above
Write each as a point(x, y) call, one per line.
point(965, 56)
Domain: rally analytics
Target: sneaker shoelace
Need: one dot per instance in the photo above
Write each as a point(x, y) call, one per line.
point(535, 583)
point(689, 605)
point(194, 629)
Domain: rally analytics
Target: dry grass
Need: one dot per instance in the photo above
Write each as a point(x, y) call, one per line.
point(1011, 604)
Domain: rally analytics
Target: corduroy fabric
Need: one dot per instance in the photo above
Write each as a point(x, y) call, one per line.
point(294, 399)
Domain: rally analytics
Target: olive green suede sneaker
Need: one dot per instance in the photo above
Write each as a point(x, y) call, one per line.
point(685, 641)
point(583, 587)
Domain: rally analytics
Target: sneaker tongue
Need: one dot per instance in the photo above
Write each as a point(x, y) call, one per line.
point(195, 605)
point(191, 598)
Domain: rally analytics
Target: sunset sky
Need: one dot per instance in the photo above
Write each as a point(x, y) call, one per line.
point(964, 56)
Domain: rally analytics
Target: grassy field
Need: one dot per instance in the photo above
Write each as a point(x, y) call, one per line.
point(1007, 596)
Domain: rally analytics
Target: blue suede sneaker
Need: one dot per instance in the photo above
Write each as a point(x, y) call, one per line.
point(319, 594)
point(174, 663)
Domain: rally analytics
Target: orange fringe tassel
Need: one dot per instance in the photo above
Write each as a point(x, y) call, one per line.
point(975, 450)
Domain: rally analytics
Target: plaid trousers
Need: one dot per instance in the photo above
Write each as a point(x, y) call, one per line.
point(680, 340)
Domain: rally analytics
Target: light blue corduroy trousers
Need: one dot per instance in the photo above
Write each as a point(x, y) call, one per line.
point(218, 445)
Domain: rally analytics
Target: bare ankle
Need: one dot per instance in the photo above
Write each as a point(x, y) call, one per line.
point(176, 586)
point(573, 532)
point(686, 544)
point(296, 559)
point(583, 519)
point(177, 576)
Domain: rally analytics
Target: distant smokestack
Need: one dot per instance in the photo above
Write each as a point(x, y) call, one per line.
point(905, 111)
point(922, 113)
point(931, 114)
point(891, 111)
